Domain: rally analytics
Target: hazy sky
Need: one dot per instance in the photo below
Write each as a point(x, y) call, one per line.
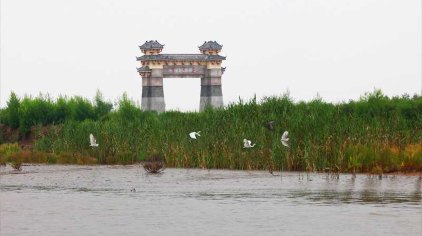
point(338, 49)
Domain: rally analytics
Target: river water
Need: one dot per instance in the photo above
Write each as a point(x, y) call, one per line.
point(97, 200)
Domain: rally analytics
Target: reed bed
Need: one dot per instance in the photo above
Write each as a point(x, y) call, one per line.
point(375, 132)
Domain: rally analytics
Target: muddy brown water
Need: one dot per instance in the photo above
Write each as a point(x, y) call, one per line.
point(97, 200)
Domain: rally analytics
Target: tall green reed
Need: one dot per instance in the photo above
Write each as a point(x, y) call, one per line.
point(374, 132)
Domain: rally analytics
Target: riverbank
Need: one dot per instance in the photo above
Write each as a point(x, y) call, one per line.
point(15, 156)
point(9, 169)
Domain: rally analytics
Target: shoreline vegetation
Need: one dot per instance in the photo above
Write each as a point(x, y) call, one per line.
point(375, 134)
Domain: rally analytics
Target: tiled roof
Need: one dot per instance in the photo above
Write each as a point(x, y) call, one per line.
point(153, 44)
point(180, 57)
point(210, 45)
point(144, 69)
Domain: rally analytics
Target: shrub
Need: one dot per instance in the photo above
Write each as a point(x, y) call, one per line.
point(154, 164)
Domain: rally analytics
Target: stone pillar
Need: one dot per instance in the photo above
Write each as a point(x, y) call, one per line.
point(153, 92)
point(211, 92)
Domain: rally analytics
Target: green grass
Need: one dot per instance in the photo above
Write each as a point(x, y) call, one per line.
point(375, 132)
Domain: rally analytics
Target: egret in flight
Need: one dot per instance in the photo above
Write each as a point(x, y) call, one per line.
point(248, 143)
point(285, 139)
point(194, 134)
point(92, 141)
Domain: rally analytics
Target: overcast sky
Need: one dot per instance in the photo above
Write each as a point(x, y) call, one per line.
point(338, 49)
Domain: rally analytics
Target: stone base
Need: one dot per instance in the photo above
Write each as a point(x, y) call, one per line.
point(213, 101)
point(153, 104)
point(153, 98)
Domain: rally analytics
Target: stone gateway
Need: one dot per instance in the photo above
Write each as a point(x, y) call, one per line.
point(156, 66)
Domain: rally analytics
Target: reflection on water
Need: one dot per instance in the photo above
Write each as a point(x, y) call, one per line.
point(97, 200)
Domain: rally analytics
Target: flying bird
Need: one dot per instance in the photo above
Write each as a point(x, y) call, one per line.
point(194, 134)
point(248, 143)
point(92, 141)
point(285, 139)
point(270, 125)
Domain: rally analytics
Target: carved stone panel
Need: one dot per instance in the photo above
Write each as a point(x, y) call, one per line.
point(184, 71)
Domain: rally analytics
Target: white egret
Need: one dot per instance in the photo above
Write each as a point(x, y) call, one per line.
point(285, 139)
point(194, 134)
point(92, 141)
point(248, 143)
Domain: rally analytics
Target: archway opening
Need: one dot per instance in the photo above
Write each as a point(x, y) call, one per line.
point(182, 94)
